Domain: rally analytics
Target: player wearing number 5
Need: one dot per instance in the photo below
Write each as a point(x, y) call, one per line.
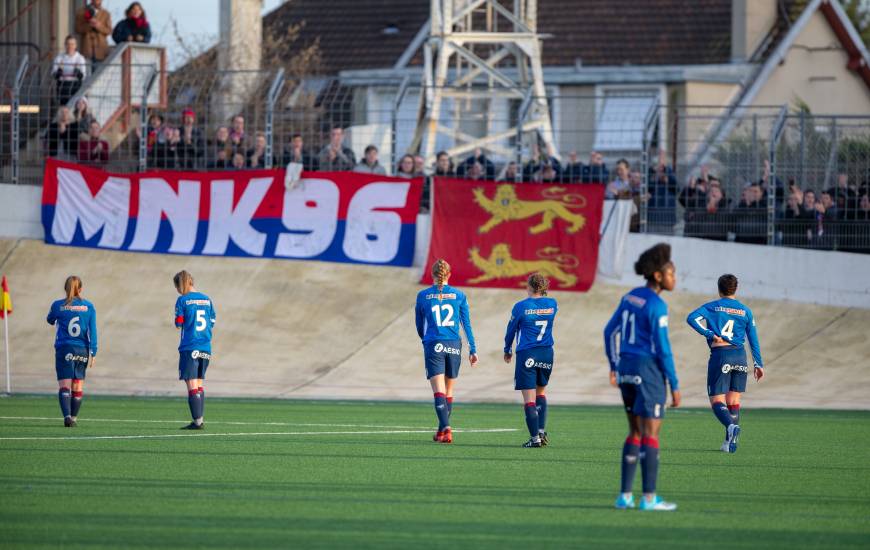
point(439, 311)
point(75, 346)
point(727, 324)
point(531, 324)
point(194, 315)
point(641, 363)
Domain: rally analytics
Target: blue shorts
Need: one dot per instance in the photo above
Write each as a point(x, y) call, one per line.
point(193, 364)
point(71, 362)
point(727, 370)
point(643, 386)
point(442, 357)
point(533, 368)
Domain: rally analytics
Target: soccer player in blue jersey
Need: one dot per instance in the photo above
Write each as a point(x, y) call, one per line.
point(727, 324)
point(75, 346)
point(195, 316)
point(641, 363)
point(531, 325)
point(439, 311)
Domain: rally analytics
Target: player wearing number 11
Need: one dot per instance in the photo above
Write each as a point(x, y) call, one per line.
point(438, 313)
point(194, 315)
point(75, 346)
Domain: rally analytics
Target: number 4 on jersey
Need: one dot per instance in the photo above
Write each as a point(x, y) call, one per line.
point(728, 329)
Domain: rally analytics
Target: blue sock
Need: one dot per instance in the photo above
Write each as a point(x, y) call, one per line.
point(735, 412)
point(76, 403)
point(721, 412)
point(649, 463)
point(201, 402)
point(532, 418)
point(541, 405)
point(63, 396)
point(441, 411)
point(194, 401)
point(449, 406)
point(630, 452)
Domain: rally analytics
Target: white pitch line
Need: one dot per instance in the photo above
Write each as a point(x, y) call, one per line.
point(229, 423)
point(248, 434)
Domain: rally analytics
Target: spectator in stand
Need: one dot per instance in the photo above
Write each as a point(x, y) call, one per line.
point(62, 137)
point(476, 172)
point(620, 187)
point(419, 166)
point(69, 69)
point(295, 152)
point(694, 195)
point(509, 172)
point(844, 195)
point(173, 148)
point(662, 192)
point(239, 162)
point(192, 147)
point(163, 152)
point(573, 171)
point(369, 164)
point(486, 166)
point(541, 168)
point(134, 28)
point(256, 156)
point(94, 24)
point(93, 150)
point(596, 171)
point(863, 212)
point(83, 116)
point(443, 165)
point(832, 214)
point(237, 134)
point(750, 197)
point(405, 169)
point(220, 149)
point(335, 156)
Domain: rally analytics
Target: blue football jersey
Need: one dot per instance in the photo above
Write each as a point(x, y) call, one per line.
point(730, 320)
point(76, 324)
point(531, 324)
point(195, 316)
point(639, 327)
point(439, 314)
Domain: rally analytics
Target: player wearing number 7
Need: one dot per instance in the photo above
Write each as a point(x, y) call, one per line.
point(727, 324)
point(75, 346)
point(195, 316)
point(531, 324)
point(438, 313)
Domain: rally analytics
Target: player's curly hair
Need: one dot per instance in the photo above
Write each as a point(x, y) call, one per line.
point(539, 283)
point(653, 260)
point(73, 288)
point(183, 281)
point(727, 284)
point(440, 272)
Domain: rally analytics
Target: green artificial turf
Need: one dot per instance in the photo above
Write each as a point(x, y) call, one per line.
point(799, 479)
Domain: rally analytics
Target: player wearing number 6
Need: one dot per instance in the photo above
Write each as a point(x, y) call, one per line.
point(75, 346)
point(194, 315)
point(727, 324)
point(439, 311)
point(531, 325)
point(641, 363)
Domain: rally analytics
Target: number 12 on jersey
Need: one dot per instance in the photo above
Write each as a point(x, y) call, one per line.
point(447, 321)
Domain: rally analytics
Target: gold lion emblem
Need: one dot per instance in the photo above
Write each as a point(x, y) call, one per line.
point(505, 206)
point(501, 265)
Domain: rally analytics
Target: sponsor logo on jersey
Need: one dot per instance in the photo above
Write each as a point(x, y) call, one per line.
point(663, 321)
point(726, 368)
point(731, 311)
point(77, 358)
point(74, 308)
point(532, 363)
point(439, 347)
point(635, 300)
point(196, 354)
point(631, 379)
point(197, 302)
point(443, 296)
point(544, 311)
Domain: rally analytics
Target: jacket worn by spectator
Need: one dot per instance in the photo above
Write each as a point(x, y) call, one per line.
point(308, 162)
point(68, 71)
point(93, 26)
point(595, 173)
point(365, 168)
point(62, 143)
point(341, 160)
point(93, 151)
point(132, 29)
point(191, 150)
point(488, 167)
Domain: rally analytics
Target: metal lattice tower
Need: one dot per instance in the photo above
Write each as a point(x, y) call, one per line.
point(480, 50)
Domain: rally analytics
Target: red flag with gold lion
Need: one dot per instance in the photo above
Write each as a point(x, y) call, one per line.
point(496, 234)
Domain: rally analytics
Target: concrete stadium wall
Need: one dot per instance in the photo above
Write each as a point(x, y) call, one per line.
point(20, 211)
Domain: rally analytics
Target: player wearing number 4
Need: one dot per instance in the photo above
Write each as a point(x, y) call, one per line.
point(531, 324)
point(194, 315)
point(641, 363)
point(438, 312)
point(75, 346)
point(726, 324)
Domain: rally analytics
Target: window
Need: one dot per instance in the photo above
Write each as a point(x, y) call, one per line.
point(620, 117)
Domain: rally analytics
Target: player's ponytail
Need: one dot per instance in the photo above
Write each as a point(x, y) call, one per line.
point(538, 284)
point(183, 281)
point(440, 273)
point(653, 261)
point(73, 288)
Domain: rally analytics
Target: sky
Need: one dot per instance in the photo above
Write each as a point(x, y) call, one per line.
point(195, 18)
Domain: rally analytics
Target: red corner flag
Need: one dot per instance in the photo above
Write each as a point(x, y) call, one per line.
point(5, 299)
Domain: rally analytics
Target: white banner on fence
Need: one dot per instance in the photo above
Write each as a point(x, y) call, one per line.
point(615, 221)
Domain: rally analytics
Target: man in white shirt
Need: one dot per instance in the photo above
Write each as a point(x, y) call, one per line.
point(69, 70)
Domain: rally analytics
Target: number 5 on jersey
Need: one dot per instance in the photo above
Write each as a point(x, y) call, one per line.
point(201, 320)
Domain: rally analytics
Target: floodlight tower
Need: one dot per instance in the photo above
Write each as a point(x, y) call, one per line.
point(480, 49)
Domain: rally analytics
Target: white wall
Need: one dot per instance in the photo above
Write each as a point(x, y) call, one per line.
point(773, 273)
point(20, 211)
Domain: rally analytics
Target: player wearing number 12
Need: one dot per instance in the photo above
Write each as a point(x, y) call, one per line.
point(195, 316)
point(531, 324)
point(727, 324)
point(75, 346)
point(438, 313)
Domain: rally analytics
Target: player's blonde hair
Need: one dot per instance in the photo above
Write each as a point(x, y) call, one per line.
point(539, 284)
point(440, 273)
point(73, 288)
point(183, 281)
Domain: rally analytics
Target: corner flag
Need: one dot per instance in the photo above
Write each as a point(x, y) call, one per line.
point(5, 299)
